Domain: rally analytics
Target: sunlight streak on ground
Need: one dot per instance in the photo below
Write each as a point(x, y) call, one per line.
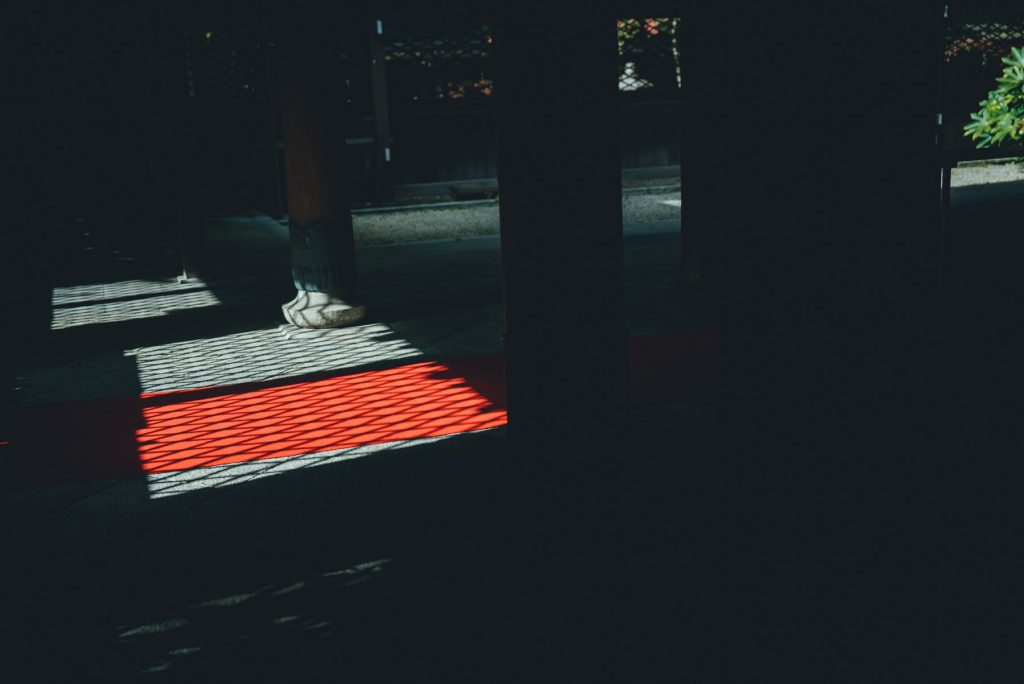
point(172, 483)
point(261, 355)
point(102, 303)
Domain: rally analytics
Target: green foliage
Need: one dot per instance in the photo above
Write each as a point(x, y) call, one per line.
point(1001, 116)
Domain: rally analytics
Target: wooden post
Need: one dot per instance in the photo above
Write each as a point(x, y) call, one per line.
point(561, 225)
point(565, 331)
point(319, 207)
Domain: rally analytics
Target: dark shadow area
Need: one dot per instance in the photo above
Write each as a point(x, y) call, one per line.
point(970, 466)
point(672, 366)
point(96, 601)
point(439, 562)
point(982, 326)
point(983, 242)
point(55, 443)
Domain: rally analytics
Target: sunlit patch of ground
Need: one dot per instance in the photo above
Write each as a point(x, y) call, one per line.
point(987, 173)
point(102, 303)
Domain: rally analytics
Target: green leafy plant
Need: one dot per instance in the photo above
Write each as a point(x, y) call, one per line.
point(1001, 116)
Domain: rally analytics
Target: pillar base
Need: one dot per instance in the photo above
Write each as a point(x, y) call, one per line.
point(322, 310)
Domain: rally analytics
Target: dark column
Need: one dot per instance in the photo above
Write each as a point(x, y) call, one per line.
point(561, 224)
point(319, 208)
point(808, 159)
point(565, 332)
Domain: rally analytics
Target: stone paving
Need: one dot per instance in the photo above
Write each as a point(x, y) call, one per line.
point(986, 173)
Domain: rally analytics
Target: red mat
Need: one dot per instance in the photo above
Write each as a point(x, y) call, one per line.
point(170, 431)
point(408, 402)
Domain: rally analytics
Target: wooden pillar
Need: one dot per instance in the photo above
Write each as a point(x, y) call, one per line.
point(565, 330)
point(319, 206)
point(561, 224)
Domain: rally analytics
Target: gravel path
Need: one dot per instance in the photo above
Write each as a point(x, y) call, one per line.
point(639, 205)
point(481, 218)
point(987, 173)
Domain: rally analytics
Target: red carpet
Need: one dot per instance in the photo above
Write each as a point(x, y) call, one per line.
point(181, 430)
point(408, 402)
